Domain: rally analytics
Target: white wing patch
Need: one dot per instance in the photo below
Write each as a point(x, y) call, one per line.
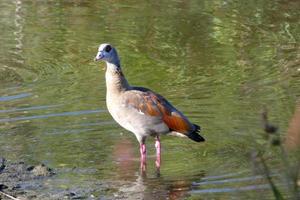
point(140, 112)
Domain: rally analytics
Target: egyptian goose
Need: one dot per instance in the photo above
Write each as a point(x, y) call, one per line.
point(140, 110)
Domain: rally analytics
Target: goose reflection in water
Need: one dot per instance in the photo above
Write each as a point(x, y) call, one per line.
point(142, 184)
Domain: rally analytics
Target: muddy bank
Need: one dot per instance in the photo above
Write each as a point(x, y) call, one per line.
point(22, 181)
point(19, 180)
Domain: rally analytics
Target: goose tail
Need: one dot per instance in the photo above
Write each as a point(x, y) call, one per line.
point(194, 135)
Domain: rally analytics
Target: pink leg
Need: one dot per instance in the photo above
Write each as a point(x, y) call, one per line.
point(157, 146)
point(143, 152)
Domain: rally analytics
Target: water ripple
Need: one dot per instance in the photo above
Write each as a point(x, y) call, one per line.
point(232, 180)
point(14, 97)
point(223, 176)
point(72, 131)
point(237, 189)
point(73, 113)
point(29, 108)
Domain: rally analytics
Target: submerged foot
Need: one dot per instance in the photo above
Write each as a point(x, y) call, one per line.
point(158, 157)
point(143, 152)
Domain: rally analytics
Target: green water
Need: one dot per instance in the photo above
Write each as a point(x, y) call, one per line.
point(219, 62)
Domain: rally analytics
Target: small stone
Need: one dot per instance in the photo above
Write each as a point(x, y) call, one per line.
point(42, 170)
point(2, 187)
point(18, 186)
point(71, 194)
point(30, 168)
point(2, 164)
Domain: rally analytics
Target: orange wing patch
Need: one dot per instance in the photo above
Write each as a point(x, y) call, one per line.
point(177, 123)
point(152, 104)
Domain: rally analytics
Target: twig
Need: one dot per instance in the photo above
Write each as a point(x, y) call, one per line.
point(9, 196)
point(276, 192)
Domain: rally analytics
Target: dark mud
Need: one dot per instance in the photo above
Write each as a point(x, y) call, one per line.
point(19, 180)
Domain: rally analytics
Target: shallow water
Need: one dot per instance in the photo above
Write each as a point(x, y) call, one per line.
point(219, 62)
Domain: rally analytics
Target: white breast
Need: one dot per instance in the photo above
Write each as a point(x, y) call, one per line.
point(135, 121)
point(116, 111)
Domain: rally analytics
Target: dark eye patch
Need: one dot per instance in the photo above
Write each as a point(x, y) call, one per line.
point(107, 48)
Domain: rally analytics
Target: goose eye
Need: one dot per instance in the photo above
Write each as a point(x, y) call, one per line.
point(107, 48)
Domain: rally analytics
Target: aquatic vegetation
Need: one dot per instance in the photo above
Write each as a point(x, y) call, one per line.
point(287, 150)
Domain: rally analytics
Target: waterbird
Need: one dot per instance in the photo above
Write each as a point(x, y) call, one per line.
point(140, 110)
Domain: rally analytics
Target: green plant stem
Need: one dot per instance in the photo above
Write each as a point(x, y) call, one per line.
point(266, 170)
point(291, 175)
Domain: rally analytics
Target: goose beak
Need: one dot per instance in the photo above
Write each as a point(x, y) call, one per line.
point(99, 56)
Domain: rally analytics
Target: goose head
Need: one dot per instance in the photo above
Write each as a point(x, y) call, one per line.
point(107, 53)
